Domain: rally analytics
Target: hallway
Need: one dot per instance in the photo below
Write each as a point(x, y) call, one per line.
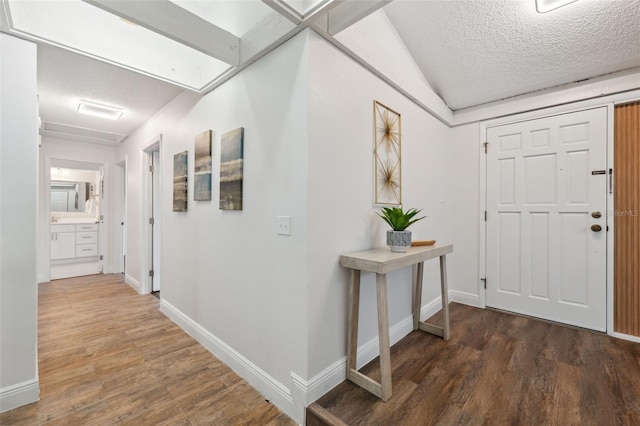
point(109, 356)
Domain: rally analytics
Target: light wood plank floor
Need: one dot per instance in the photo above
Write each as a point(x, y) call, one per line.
point(499, 369)
point(109, 356)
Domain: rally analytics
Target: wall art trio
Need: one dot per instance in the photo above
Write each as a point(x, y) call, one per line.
point(231, 171)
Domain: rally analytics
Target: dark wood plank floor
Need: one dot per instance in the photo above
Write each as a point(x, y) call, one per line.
point(109, 356)
point(500, 369)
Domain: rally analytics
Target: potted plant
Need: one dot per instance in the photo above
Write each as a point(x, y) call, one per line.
point(399, 239)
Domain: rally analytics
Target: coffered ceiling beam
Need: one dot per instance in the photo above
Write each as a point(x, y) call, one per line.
point(349, 12)
point(267, 34)
point(320, 9)
point(178, 24)
point(284, 9)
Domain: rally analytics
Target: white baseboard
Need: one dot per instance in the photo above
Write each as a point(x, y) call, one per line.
point(465, 298)
point(132, 282)
point(74, 269)
point(626, 337)
point(335, 374)
point(370, 349)
point(301, 392)
point(43, 278)
point(268, 386)
point(19, 394)
point(321, 383)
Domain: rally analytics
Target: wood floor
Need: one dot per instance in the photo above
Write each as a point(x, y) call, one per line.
point(499, 369)
point(108, 356)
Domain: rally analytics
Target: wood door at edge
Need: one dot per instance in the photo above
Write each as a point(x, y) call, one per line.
point(627, 219)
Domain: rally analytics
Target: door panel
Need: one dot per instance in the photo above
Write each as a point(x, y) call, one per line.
point(626, 296)
point(543, 259)
point(155, 214)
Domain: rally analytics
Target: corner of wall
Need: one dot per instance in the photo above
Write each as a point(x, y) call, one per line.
point(18, 189)
point(133, 283)
point(291, 402)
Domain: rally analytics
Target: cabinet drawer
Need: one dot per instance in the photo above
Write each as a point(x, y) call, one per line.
point(87, 227)
point(86, 237)
point(85, 250)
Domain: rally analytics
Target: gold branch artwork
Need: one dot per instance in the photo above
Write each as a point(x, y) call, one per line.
point(387, 153)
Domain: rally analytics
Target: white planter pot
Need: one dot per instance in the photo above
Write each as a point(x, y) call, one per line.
point(399, 241)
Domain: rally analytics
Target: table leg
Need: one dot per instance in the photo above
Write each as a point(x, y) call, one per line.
point(382, 389)
point(416, 305)
point(444, 292)
point(445, 297)
point(383, 333)
point(352, 330)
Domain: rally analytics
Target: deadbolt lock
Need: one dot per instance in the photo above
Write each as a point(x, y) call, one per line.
point(596, 228)
point(596, 214)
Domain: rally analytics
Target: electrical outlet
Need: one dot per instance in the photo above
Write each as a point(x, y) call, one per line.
point(284, 225)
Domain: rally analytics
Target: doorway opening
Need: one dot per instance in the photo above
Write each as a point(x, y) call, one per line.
point(121, 211)
point(152, 216)
point(76, 213)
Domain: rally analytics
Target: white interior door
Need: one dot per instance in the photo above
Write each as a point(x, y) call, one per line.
point(546, 183)
point(155, 214)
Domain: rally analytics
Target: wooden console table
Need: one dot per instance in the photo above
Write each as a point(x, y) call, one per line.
point(380, 261)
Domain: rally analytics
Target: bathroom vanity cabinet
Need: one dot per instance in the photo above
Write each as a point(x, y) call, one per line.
point(74, 250)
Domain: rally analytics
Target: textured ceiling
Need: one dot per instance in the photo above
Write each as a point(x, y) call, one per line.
point(477, 51)
point(65, 77)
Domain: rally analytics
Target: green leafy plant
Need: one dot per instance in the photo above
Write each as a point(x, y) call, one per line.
point(398, 219)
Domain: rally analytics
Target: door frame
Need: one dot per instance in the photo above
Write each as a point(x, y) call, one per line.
point(44, 205)
point(120, 211)
point(146, 209)
point(609, 102)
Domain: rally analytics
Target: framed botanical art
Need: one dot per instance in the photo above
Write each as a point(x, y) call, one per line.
point(180, 162)
point(387, 155)
point(231, 169)
point(202, 167)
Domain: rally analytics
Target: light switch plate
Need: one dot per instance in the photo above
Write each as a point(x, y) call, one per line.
point(284, 225)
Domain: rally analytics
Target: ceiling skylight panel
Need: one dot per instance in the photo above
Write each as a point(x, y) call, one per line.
point(81, 27)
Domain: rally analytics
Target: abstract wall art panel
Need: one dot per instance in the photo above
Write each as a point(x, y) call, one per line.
point(231, 169)
point(180, 163)
point(202, 167)
point(387, 155)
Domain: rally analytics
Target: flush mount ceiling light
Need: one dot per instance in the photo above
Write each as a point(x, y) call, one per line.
point(544, 6)
point(100, 110)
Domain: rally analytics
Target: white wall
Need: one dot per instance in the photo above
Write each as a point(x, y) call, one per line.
point(85, 152)
point(463, 182)
point(227, 277)
point(274, 307)
point(342, 216)
point(18, 204)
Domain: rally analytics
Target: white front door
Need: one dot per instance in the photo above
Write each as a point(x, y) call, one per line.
point(546, 188)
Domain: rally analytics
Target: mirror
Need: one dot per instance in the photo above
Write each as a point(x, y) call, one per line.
point(69, 196)
point(75, 189)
